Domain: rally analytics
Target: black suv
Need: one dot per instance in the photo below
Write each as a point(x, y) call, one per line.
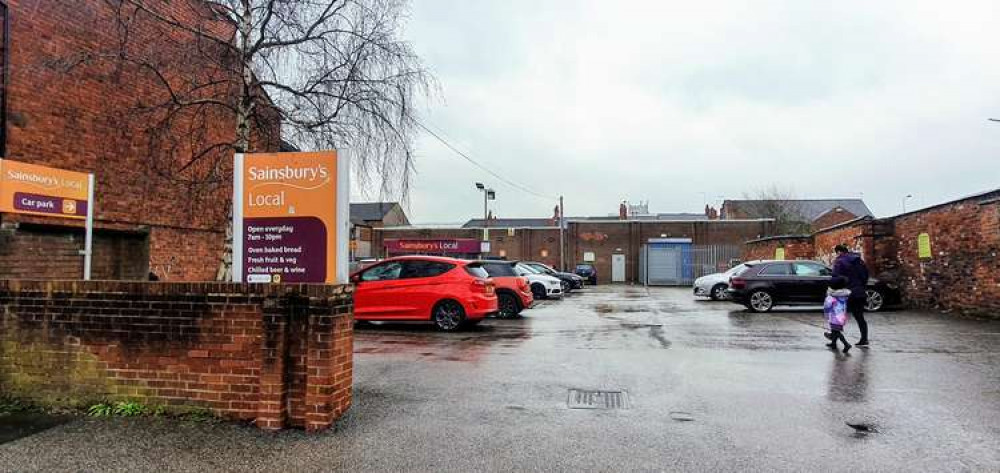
point(765, 284)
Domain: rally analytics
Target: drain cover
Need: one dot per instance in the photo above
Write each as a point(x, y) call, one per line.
point(585, 399)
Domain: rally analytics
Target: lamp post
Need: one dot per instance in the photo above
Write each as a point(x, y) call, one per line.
point(908, 196)
point(488, 195)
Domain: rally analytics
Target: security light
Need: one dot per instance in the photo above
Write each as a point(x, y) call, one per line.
point(480, 186)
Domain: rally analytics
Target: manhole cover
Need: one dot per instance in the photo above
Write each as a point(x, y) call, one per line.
point(585, 399)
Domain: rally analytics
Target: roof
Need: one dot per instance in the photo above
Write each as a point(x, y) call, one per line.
point(512, 223)
point(668, 217)
point(809, 209)
point(369, 211)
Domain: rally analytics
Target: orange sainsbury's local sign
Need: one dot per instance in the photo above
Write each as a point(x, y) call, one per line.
point(290, 217)
point(39, 190)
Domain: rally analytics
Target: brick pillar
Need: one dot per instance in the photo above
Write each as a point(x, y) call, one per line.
point(271, 411)
point(329, 362)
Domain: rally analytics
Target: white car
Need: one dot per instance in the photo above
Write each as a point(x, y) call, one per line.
point(715, 285)
point(543, 286)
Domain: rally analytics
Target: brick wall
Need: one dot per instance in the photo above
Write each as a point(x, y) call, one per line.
point(87, 118)
point(48, 252)
point(277, 355)
point(796, 247)
point(963, 272)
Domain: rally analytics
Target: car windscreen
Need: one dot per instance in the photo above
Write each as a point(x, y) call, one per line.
point(499, 270)
point(476, 270)
point(528, 269)
point(737, 270)
point(584, 267)
point(541, 268)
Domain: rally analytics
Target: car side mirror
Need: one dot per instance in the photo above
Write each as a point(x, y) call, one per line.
point(356, 279)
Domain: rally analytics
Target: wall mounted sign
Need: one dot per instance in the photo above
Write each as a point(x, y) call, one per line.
point(924, 246)
point(455, 246)
point(39, 190)
point(290, 217)
point(779, 253)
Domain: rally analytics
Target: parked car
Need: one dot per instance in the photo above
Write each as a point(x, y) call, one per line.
point(587, 272)
point(714, 286)
point(570, 281)
point(513, 291)
point(449, 292)
point(543, 286)
point(765, 284)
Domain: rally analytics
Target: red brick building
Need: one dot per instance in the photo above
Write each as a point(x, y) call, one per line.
point(68, 104)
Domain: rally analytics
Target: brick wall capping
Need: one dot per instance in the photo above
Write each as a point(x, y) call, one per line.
point(141, 288)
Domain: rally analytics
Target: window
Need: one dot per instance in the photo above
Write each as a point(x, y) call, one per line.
point(811, 270)
point(500, 270)
point(779, 269)
point(541, 268)
point(737, 270)
point(384, 272)
point(424, 269)
point(477, 271)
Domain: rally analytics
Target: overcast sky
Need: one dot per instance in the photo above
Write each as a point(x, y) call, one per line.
point(678, 101)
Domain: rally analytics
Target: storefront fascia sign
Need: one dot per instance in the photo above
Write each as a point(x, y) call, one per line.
point(31, 189)
point(290, 217)
point(457, 246)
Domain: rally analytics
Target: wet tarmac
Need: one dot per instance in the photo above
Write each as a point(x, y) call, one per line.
point(696, 386)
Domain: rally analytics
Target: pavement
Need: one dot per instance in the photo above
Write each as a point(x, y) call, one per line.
point(709, 388)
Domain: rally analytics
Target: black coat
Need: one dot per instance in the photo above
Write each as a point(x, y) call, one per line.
point(851, 267)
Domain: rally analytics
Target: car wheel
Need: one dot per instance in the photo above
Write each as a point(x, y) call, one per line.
point(761, 301)
point(508, 306)
point(538, 291)
point(718, 292)
point(874, 301)
point(448, 315)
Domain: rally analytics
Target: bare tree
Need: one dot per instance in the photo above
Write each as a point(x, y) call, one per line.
point(779, 204)
point(322, 74)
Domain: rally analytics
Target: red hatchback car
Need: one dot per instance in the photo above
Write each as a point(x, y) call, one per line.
point(513, 291)
point(449, 292)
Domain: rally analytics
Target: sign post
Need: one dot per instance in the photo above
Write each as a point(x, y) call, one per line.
point(290, 217)
point(31, 189)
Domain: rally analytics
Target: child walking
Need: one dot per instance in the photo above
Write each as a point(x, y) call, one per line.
point(835, 309)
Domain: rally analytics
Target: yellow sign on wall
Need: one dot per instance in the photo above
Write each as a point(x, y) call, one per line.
point(40, 190)
point(924, 246)
point(779, 254)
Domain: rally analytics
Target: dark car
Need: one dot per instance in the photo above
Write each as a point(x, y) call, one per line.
point(570, 281)
point(765, 284)
point(587, 272)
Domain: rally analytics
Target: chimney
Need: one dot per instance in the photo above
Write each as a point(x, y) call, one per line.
point(623, 211)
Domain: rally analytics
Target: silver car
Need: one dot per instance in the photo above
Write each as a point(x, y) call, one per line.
point(715, 285)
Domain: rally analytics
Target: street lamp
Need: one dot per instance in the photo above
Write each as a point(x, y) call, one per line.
point(908, 196)
point(488, 195)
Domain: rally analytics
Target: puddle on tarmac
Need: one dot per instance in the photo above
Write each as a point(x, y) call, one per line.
point(22, 424)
